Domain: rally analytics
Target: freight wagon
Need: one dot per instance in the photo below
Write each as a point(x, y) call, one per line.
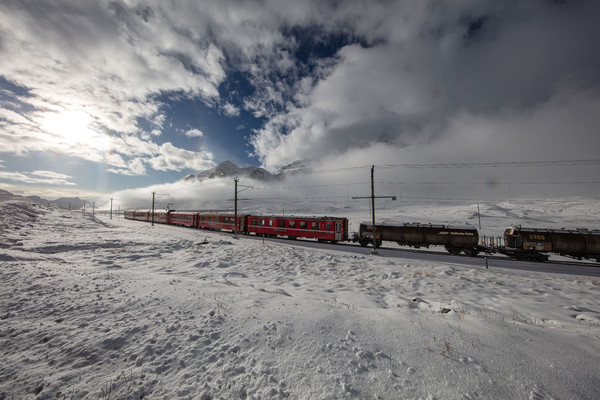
point(455, 239)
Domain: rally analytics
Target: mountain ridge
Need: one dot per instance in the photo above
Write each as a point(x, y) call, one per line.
point(229, 169)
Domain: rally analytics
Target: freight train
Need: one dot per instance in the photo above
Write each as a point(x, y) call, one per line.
point(519, 243)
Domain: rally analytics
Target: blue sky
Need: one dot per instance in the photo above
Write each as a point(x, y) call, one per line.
point(102, 96)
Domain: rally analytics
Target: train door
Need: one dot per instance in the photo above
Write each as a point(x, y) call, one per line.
point(338, 231)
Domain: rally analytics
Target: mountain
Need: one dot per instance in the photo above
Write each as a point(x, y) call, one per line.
point(73, 203)
point(228, 169)
point(295, 168)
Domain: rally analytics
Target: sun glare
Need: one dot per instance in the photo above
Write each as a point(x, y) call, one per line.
point(75, 128)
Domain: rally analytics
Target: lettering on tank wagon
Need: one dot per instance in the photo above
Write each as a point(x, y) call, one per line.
point(456, 233)
point(537, 237)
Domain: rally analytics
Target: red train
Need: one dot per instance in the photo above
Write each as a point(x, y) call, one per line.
point(324, 229)
point(520, 243)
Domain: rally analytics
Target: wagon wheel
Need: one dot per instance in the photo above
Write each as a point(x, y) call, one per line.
point(470, 252)
point(453, 250)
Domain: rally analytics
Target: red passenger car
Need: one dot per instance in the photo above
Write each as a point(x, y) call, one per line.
point(183, 218)
point(324, 229)
point(221, 222)
point(161, 217)
point(142, 215)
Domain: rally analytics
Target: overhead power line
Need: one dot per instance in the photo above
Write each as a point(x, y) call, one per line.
point(327, 171)
point(491, 183)
point(311, 186)
point(547, 163)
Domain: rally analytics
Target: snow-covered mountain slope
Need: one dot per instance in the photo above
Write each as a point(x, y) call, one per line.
point(229, 169)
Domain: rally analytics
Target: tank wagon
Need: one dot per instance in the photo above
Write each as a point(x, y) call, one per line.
point(455, 239)
point(534, 243)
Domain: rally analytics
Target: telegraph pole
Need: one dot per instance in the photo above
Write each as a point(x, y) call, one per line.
point(373, 197)
point(235, 207)
point(235, 201)
point(153, 196)
point(153, 193)
point(111, 208)
point(93, 207)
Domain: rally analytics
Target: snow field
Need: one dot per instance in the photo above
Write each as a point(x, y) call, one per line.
point(99, 308)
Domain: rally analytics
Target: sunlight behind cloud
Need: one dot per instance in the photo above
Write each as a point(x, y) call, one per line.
point(74, 128)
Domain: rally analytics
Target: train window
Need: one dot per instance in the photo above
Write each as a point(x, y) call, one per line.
point(292, 224)
point(328, 226)
point(282, 223)
point(254, 222)
point(315, 225)
point(270, 222)
point(303, 224)
point(262, 222)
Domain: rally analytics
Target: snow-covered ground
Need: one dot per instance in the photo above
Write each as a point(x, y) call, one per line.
point(105, 308)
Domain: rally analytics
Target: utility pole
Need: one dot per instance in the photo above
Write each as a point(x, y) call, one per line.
point(111, 208)
point(93, 207)
point(235, 207)
point(153, 193)
point(235, 201)
point(373, 197)
point(153, 196)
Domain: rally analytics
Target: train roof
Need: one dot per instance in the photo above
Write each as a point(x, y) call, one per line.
point(311, 218)
point(418, 224)
point(561, 230)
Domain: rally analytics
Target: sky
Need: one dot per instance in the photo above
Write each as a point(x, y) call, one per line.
point(101, 97)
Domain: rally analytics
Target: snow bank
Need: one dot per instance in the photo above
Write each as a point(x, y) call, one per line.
point(100, 308)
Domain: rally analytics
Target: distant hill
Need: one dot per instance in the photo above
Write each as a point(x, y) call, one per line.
point(64, 202)
point(228, 169)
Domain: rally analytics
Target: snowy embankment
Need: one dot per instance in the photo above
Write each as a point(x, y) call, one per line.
point(99, 308)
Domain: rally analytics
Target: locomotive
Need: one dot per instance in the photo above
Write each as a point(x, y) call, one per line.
point(532, 244)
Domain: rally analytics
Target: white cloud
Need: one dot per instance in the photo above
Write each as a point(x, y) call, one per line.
point(50, 174)
point(171, 158)
point(48, 178)
point(230, 110)
point(431, 64)
point(194, 133)
point(111, 60)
